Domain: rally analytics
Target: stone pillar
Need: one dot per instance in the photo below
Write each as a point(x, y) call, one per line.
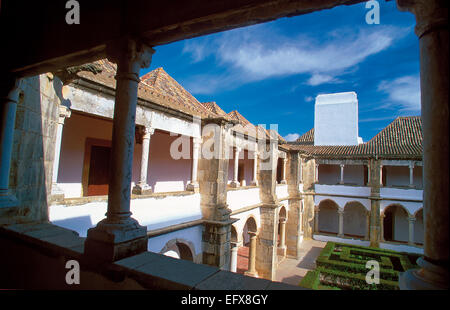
point(234, 255)
point(341, 181)
point(432, 30)
point(57, 193)
point(411, 174)
point(193, 185)
point(294, 232)
point(9, 97)
point(341, 223)
point(252, 256)
point(235, 182)
point(366, 235)
point(375, 184)
point(283, 172)
point(316, 219)
point(142, 187)
point(212, 179)
point(255, 170)
point(411, 220)
point(119, 235)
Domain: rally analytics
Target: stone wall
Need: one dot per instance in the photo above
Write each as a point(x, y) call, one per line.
point(33, 148)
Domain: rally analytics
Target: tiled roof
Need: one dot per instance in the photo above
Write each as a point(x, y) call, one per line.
point(160, 88)
point(400, 139)
point(214, 107)
point(307, 138)
point(156, 86)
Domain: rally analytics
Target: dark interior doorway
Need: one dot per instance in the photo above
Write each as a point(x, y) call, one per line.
point(99, 170)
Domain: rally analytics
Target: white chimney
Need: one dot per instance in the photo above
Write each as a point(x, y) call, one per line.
point(336, 119)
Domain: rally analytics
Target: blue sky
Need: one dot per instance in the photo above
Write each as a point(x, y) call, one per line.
point(272, 72)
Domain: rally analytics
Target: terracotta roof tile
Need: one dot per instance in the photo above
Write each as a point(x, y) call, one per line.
point(400, 139)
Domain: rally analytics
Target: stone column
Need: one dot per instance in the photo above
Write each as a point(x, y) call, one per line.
point(119, 235)
point(300, 167)
point(235, 182)
point(411, 220)
point(282, 233)
point(341, 181)
point(283, 172)
point(255, 170)
point(57, 193)
point(341, 223)
point(375, 184)
point(381, 175)
point(252, 256)
point(366, 235)
point(142, 187)
point(411, 174)
point(432, 31)
point(316, 219)
point(234, 255)
point(316, 173)
point(9, 97)
point(193, 185)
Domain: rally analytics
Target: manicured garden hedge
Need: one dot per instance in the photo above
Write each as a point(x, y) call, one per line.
point(343, 266)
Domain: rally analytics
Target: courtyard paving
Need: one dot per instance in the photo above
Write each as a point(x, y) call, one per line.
point(291, 271)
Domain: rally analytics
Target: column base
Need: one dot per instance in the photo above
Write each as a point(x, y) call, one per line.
point(108, 242)
point(429, 277)
point(340, 235)
point(142, 189)
point(283, 182)
point(253, 274)
point(254, 183)
point(8, 201)
point(281, 251)
point(194, 187)
point(57, 194)
point(234, 184)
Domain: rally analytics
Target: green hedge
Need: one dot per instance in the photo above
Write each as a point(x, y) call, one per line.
point(343, 266)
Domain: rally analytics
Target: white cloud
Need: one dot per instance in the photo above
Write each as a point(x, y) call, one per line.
point(317, 79)
point(291, 137)
point(309, 98)
point(256, 53)
point(403, 92)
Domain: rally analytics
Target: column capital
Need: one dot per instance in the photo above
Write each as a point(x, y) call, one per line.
point(237, 149)
point(64, 112)
point(411, 165)
point(411, 218)
point(130, 55)
point(430, 14)
point(341, 211)
point(147, 132)
point(197, 140)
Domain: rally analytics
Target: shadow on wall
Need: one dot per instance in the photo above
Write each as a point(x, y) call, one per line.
point(33, 149)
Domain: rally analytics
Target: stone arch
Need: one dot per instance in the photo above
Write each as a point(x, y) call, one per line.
point(234, 235)
point(328, 216)
point(249, 226)
point(395, 223)
point(355, 219)
point(179, 248)
point(282, 213)
point(418, 227)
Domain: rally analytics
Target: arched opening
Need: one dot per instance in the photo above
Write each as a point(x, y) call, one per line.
point(234, 237)
point(185, 252)
point(395, 224)
point(418, 228)
point(177, 249)
point(328, 217)
point(244, 250)
point(279, 170)
point(355, 223)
